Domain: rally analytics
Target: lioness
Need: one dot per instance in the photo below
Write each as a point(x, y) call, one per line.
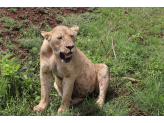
point(75, 75)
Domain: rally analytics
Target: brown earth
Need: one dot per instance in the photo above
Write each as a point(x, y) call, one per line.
point(135, 111)
point(36, 15)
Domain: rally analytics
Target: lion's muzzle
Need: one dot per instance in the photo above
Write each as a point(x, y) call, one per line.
point(66, 56)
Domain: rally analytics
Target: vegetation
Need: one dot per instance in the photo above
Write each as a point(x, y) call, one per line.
point(135, 35)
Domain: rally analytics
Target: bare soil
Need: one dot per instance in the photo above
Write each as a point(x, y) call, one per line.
point(135, 111)
point(36, 15)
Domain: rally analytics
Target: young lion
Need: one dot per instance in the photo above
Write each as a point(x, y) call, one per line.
point(75, 75)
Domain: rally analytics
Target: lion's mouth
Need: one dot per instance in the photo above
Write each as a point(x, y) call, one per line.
point(66, 56)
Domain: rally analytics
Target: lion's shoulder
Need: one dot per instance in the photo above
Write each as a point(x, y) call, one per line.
point(45, 50)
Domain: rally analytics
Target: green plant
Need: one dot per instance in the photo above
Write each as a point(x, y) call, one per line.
point(13, 84)
point(29, 44)
point(24, 16)
point(0, 32)
point(34, 50)
point(7, 31)
point(10, 23)
point(9, 76)
point(33, 31)
point(35, 19)
point(11, 47)
point(41, 10)
point(58, 18)
point(13, 9)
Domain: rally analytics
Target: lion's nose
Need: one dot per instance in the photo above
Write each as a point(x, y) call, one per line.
point(70, 47)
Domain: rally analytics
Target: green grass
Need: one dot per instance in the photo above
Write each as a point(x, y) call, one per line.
point(137, 35)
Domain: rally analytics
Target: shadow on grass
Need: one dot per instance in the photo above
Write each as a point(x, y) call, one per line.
point(111, 94)
point(85, 108)
point(88, 106)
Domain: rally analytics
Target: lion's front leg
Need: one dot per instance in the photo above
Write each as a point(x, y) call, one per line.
point(67, 85)
point(46, 79)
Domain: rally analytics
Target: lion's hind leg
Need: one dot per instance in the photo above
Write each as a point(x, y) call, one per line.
point(102, 82)
point(77, 101)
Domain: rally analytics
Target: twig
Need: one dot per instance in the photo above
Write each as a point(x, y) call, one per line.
point(131, 79)
point(112, 78)
point(108, 31)
point(108, 53)
point(87, 110)
point(128, 78)
point(130, 38)
point(104, 47)
point(113, 49)
point(62, 18)
point(107, 40)
point(30, 109)
point(133, 36)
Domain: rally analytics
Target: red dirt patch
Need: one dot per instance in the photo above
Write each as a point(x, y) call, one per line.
point(135, 111)
point(38, 16)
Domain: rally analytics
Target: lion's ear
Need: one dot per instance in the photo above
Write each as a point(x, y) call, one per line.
point(46, 35)
point(75, 29)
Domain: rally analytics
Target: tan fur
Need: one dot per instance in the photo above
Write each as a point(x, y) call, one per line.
point(75, 79)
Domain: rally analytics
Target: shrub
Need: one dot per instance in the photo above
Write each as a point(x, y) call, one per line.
point(12, 82)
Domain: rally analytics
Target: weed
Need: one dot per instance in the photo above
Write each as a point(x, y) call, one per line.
point(24, 16)
point(13, 9)
point(0, 32)
point(51, 14)
point(4, 14)
point(33, 31)
point(11, 47)
point(58, 18)
point(10, 76)
point(35, 19)
point(1, 41)
point(7, 31)
point(10, 23)
point(41, 10)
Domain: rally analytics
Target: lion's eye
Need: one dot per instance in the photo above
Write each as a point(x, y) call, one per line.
point(72, 36)
point(60, 38)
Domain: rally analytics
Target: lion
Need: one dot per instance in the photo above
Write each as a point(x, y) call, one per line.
point(75, 75)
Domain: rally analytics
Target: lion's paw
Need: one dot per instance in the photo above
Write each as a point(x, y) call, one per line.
point(62, 108)
point(39, 108)
point(100, 102)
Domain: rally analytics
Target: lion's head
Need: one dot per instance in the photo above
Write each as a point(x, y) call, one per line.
point(62, 40)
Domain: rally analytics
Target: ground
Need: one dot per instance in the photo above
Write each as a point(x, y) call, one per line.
point(52, 17)
point(39, 16)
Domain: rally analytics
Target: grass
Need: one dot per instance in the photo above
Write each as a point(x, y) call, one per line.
point(137, 35)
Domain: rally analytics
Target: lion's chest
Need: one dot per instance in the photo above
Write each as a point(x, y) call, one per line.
point(58, 72)
point(62, 70)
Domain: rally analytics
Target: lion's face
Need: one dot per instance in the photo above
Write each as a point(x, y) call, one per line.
point(62, 40)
